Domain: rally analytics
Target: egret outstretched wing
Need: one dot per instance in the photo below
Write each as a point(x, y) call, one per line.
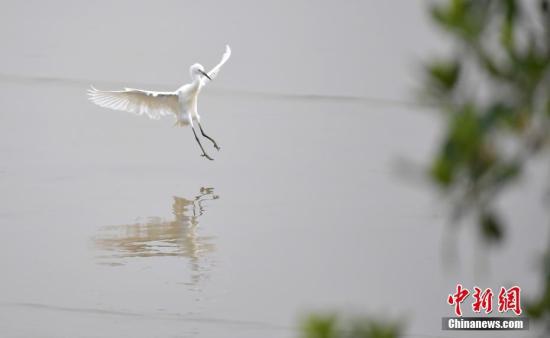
point(214, 71)
point(153, 104)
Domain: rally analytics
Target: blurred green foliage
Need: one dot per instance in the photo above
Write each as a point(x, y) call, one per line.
point(331, 326)
point(493, 91)
point(495, 95)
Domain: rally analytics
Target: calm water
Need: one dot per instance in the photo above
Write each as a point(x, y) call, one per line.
point(112, 225)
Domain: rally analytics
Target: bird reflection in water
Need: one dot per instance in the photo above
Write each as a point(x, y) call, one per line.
point(158, 237)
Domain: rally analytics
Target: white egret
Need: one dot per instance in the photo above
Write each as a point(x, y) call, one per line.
point(181, 103)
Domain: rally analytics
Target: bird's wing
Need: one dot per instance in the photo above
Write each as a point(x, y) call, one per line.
point(214, 71)
point(153, 104)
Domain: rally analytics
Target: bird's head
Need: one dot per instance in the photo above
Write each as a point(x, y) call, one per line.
point(197, 70)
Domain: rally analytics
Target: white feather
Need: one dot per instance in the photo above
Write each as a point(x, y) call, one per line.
point(153, 104)
point(214, 71)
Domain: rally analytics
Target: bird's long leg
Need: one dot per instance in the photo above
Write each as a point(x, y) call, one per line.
point(208, 137)
point(200, 145)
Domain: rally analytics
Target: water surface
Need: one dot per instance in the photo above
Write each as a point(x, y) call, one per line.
point(113, 225)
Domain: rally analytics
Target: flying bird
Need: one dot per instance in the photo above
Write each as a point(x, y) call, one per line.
point(182, 103)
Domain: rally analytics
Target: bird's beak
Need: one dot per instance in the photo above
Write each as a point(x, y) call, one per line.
point(203, 73)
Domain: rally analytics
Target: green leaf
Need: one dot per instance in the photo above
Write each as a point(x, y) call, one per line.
point(464, 17)
point(442, 171)
point(491, 228)
point(444, 74)
point(319, 326)
point(508, 25)
point(499, 114)
point(465, 132)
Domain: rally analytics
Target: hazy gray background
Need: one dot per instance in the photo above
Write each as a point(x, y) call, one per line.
point(104, 228)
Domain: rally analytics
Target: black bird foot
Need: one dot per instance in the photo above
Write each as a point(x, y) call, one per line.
point(208, 157)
